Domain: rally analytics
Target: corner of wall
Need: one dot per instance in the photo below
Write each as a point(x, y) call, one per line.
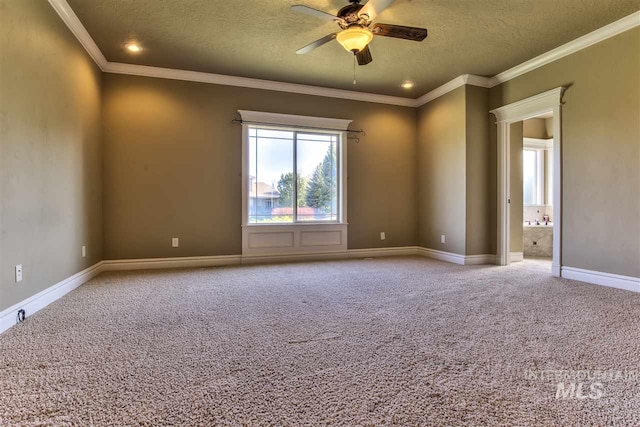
point(478, 154)
point(441, 172)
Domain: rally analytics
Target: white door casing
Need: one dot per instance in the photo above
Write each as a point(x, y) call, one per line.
point(549, 101)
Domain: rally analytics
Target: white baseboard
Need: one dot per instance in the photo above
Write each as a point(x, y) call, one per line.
point(379, 252)
point(516, 256)
point(42, 299)
point(479, 259)
point(212, 261)
point(174, 262)
point(457, 258)
point(599, 278)
point(441, 255)
point(318, 256)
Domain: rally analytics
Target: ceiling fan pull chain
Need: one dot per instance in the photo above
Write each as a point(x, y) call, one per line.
point(354, 68)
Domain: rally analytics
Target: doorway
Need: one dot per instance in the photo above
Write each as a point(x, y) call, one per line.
point(534, 231)
point(546, 103)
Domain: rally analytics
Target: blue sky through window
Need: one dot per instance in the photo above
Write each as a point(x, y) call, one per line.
point(275, 153)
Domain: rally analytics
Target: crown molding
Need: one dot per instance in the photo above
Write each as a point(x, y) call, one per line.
point(465, 79)
point(69, 17)
point(196, 76)
point(220, 79)
point(620, 26)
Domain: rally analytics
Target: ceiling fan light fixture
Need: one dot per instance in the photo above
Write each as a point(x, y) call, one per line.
point(354, 39)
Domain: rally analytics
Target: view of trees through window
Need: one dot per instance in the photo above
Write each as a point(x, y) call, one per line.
point(293, 176)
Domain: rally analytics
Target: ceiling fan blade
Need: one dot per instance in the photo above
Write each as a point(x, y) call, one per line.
point(364, 56)
point(400, 32)
point(308, 48)
point(374, 7)
point(314, 12)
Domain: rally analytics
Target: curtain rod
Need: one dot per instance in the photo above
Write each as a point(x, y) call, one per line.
point(361, 132)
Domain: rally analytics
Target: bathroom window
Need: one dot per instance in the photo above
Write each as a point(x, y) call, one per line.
point(533, 162)
point(548, 175)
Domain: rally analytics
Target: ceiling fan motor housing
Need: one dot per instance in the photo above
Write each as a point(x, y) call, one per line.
point(349, 15)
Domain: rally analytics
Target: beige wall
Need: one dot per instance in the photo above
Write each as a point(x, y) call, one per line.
point(536, 128)
point(442, 173)
point(548, 127)
point(454, 172)
point(516, 205)
point(478, 163)
point(600, 147)
point(173, 164)
point(50, 151)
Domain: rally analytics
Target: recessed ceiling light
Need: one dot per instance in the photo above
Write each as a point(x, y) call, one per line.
point(407, 85)
point(133, 47)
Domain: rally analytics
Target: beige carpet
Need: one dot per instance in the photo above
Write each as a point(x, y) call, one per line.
point(395, 341)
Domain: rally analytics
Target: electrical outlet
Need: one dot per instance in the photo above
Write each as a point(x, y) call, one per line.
point(175, 242)
point(442, 238)
point(383, 235)
point(84, 251)
point(18, 273)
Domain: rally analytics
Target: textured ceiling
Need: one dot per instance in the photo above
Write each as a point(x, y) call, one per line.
point(258, 38)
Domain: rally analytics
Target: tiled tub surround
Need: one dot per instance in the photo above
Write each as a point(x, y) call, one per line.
point(533, 213)
point(537, 240)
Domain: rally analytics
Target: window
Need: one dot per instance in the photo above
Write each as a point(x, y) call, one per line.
point(529, 176)
point(548, 166)
point(293, 183)
point(537, 176)
point(293, 175)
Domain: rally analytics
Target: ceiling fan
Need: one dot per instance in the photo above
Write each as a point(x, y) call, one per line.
point(355, 20)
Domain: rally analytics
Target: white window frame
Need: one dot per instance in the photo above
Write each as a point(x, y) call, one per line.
point(339, 161)
point(302, 236)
